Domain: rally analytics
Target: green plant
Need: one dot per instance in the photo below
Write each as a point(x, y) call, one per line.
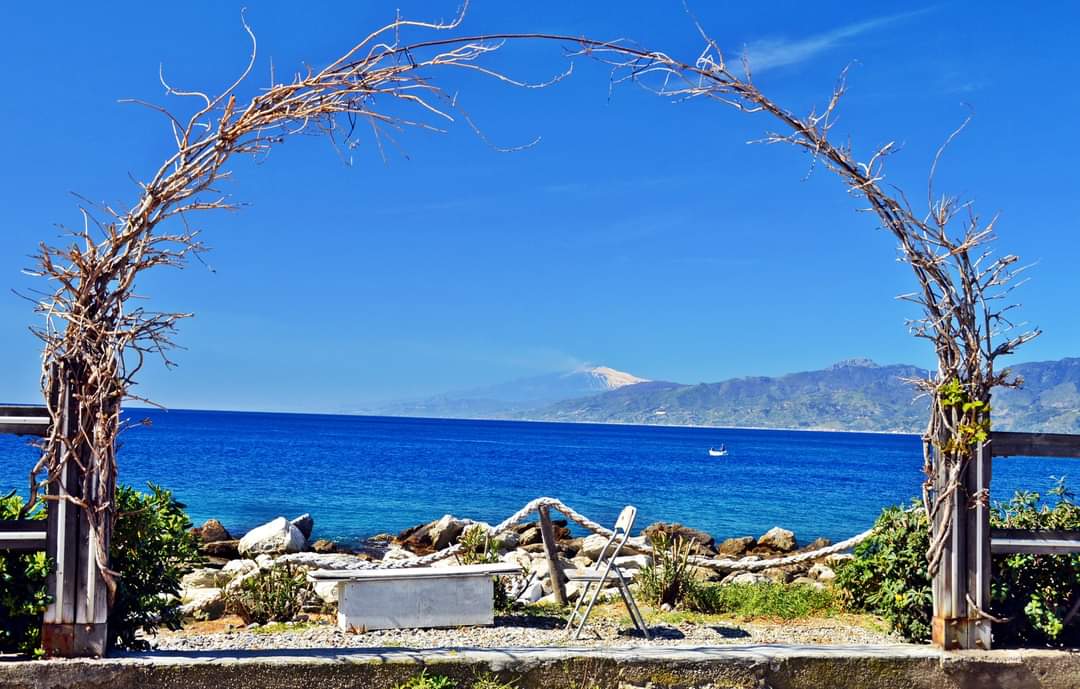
point(426, 681)
point(668, 579)
point(23, 597)
point(1036, 592)
point(480, 547)
point(888, 575)
point(277, 594)
point(765, 600)
point(489, 681)
point(1032, 593)
point(152, 548)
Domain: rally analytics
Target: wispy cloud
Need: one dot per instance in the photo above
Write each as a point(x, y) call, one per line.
point(768, 53)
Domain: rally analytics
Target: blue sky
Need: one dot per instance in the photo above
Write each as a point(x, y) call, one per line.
point(638, 233)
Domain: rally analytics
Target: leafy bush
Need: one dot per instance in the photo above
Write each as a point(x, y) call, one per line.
point(1034, 593)
point(271, 595)
point(23, 598)
point(152, 548)
point(888, 575)
point(479, 547)
point(765, 600)
point(669, 579)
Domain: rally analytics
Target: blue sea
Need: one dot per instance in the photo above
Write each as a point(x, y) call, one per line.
point(359, 476)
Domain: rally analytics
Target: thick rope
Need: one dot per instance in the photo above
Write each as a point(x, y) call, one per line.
point(639, 544)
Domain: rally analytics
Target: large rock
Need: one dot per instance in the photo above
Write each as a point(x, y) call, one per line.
point(822, 572)
point(633, 562)
point(305, 523)
point(592, 545)
point(235, 568)
point(777, 539)
point(236, 572)
point(746, 578)
point(816, 544)
point(278, 536)
point(734, 547)
point(327, 591)
point(532, 593)
point(530, 536)
point(202, 603)
point(212, 531)
point(436, 535)
point(324, 546)
point(324, 560)
point(229, 550)
point(445, 531)
point(700, 542)
point(202, 578)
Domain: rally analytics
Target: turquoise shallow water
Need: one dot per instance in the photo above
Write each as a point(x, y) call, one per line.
point(362, 475)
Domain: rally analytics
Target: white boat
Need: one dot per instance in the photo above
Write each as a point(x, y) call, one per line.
point(722, 452)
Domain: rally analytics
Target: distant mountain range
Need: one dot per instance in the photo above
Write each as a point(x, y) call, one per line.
point(507, 400)
point(855, 395)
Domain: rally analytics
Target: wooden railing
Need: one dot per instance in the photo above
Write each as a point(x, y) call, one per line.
point(75, 621)
point(23, 535)
point(961, 587)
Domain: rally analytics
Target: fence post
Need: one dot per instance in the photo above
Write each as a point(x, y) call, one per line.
point(547, 532)
point(76, 621)
point(977, 627)
point(961, 587)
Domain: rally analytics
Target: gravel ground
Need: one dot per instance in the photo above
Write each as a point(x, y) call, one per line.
point(528, 631)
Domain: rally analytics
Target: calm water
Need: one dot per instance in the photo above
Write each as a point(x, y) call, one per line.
point(362, 475)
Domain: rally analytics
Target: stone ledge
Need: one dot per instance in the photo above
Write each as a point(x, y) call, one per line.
point(733, 667)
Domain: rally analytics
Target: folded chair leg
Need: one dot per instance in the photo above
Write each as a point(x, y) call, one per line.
point(632, 608)
point(572, 622)
point(588, 610)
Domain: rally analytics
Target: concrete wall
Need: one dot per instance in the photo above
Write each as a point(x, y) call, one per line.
point(745, 667)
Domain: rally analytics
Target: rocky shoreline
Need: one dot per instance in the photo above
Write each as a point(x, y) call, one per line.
point(230, 561)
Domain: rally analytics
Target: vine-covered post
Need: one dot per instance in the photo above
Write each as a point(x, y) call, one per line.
point(76, 621)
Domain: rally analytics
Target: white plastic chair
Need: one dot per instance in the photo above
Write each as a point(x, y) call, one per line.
point(604, 569)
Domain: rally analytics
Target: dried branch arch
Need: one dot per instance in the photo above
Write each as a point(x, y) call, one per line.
point(95, 343)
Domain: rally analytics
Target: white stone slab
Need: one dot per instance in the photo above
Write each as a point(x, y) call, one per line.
point(416, 601)
point(415, 572)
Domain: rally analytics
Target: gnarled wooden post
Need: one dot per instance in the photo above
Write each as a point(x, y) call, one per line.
point(76, 621)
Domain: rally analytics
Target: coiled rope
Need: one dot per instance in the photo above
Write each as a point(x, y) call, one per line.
point(638, 544)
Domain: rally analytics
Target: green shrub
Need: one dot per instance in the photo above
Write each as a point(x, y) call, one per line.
point(152, 548)
point(479, 547)
point(888, 575)
point(669, 579)
point(271, 595)
point(1036, 592)
point(1033, 593)
point(23, 598)
point(764, 600)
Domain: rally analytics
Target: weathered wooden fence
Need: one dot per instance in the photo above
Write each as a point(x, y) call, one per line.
point(76, 619)
point(961, 588)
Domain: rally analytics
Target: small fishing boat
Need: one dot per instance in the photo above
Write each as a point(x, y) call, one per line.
point(722, 452)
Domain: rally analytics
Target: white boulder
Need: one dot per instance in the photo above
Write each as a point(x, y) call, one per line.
point(205, 577)
point(275, 537)
point(206, 603)
point(633, 562)
point(746, 578)
point(822, 572)
point(533, 592)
